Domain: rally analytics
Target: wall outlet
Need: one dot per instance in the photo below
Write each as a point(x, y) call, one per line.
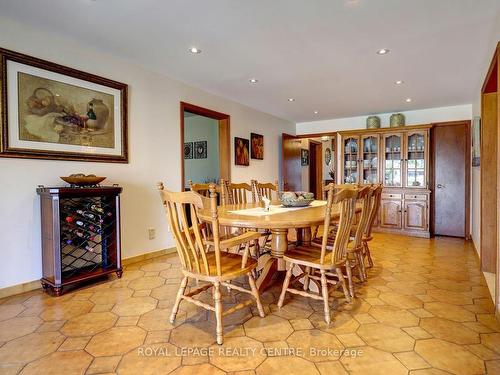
point(151, 233)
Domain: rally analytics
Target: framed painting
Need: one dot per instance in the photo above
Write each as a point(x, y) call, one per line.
point(476, 141)
point(304, 156)
point(257, 146)
point(200, 150)
point(241, 152)
point(50, 111)
point(188, 150)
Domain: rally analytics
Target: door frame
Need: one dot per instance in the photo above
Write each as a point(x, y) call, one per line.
point(333, 135)
point(432, 179)
point(224, 138)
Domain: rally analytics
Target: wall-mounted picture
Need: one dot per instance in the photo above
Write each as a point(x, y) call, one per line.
point(257, 146)
point(476, 141)
point(55, 112)
point(304, 156)
point(188, 150)
point(241, 153)
point(200, 150)
point(328, 156)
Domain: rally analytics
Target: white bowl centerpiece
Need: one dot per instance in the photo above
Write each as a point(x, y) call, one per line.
point(296, 199)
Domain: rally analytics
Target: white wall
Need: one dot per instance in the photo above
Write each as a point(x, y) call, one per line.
point(201, 128)
point(154, 145)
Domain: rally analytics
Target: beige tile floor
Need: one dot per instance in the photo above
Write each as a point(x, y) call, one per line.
point(426, 309)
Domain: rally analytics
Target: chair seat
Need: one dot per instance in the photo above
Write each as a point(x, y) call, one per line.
point(230, 267)
point(310, 256)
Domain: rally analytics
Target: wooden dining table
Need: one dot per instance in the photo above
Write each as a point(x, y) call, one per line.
point(279, 221)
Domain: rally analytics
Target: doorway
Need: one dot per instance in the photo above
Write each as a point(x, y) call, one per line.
point(205, 145)
point(315, 175)
point(451, 183)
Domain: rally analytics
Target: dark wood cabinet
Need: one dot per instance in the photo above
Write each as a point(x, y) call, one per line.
point(80, 234)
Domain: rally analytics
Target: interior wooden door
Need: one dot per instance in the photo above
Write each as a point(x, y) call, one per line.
point(451, 163)
point(292, 170)
point(315, 169)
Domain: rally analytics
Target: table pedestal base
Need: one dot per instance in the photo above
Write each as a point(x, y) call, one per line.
point(270, 264)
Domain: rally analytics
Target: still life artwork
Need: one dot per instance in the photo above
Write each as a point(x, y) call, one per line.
point(56, 112)
point(304, 156)
point(188, 150)
point(241, 153)
point(257, 146)
point(200, 150)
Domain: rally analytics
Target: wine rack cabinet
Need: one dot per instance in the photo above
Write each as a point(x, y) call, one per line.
point(80, 234)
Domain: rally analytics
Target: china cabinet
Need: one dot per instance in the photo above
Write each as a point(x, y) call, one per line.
point(398, 158)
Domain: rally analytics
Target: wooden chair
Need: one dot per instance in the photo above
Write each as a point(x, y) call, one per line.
point(355, 247)
point(232, 193)
point(215, 267)
point(268, 190)
point(367, 236)
point(202, 189)
point(325, 259)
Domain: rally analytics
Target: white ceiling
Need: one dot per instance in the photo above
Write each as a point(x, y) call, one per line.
point(321, 52)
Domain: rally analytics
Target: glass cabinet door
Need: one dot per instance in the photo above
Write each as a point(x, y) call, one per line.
point(369, 161)
point(351, 151)
point(393, 160)
point(415, 160)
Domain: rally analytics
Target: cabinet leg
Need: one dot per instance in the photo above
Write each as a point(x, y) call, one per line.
point(57, 291)
point(44, 285)
point(119, 273)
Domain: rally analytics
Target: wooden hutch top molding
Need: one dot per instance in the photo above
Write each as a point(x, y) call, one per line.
point(385, 130)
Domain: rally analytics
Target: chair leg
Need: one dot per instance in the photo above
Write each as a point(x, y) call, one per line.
point(306, 278)
point(349, 277)
point(178, 299)
point(218, 312)
point(342, 282)
point(359, 261)
point(324, 292)
point(286, 282)
point(255, 293)
point(362, 265)
point(368, 255)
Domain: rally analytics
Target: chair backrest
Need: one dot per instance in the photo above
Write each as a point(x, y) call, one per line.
point(260, 190)
point(232, 193)
point(188, 239)
point(375, 205)
point(365, 194)
point(202, 189)
point(346, 199)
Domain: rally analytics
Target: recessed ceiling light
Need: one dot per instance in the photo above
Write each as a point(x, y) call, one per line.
point(408, 100)
point(291, 99)
point(399, 82)
point(195, 50)
point(316, 112)
point(383, 51)
point(253, 80)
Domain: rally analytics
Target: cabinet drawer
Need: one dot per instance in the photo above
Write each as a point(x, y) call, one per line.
point(419, 197)
point(391, 196)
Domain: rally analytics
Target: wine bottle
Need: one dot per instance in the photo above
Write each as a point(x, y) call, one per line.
point(89, 215)
point(94, 207)
point(84, 235)
point(89, 248)
point(69, 219)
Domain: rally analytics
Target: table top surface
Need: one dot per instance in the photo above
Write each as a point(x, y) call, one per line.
point(298, 218)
